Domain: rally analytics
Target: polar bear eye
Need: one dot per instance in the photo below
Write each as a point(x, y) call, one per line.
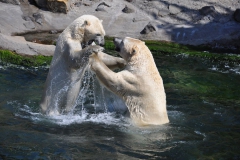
point(98, 34)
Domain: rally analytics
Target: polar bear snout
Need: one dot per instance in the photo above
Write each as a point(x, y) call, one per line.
point(99, 40)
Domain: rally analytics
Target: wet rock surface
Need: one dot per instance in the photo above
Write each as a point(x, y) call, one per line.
point(187, 22)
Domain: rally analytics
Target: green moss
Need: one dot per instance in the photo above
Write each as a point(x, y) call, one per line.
point(28, 61)
point(163, 47)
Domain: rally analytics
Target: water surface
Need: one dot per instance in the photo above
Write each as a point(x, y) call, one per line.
point(202, 103)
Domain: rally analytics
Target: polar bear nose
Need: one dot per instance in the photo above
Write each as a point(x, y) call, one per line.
point(99, 40)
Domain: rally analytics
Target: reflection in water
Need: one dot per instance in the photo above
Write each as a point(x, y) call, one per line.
point(202, 103)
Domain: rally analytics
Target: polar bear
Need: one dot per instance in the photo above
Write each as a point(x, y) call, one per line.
point(139, 84)
point(70, 61)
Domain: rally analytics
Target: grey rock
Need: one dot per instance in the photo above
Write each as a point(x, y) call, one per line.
point(174, 9)
point(100, 9)
point(29, 25)
point(148, 28)
point(21, 46)
point(126, 9)
point(236, 15)
point(101, 6)
point(208, 10)
point(38, 18)
point(15, 2)
point(78, 4)
point(41, 3)
point(27, 18)
point(163, 12)
point(53, 32)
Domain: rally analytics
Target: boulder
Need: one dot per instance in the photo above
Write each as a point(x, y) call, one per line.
point(173, 9)
point(38, 18)
point(207, 10)
point(41, 3)
point(61, 6)
point(29, 25)
point(148, 28)
point(101, 6)
point(15, 2)
point(236, 15)
point(126, 9)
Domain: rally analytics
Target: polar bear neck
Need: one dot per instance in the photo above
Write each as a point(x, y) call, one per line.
point(75, 30)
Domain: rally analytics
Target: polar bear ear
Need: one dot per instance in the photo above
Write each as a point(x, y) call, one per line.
point(101, 20)
point(87, 23)
point(134, 50)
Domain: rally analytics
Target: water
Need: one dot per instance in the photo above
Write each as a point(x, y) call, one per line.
point(202, 103)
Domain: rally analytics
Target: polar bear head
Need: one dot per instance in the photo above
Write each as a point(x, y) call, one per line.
point(128, 47)
point(87, 29)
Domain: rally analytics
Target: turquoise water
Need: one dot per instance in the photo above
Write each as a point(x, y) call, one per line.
point(202, 103)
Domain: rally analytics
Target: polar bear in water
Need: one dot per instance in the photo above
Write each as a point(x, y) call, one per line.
point(139, 84)
point(69, 63)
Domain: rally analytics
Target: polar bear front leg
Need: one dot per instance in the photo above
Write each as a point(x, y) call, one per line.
point(76, 57)
point(119, 83)
point(112, 62)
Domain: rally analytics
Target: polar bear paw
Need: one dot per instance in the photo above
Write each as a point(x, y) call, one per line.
point(95, 49)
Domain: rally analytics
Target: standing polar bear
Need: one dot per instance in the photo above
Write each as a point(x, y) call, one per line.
point(139, 84)
point(70, 61)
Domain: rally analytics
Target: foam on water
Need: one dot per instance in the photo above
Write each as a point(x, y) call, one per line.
point(226, 68)
point(26, 112)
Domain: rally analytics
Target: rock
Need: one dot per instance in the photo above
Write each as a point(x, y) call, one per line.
point(78, 4)
point(207, 10)
point(236, 15)
point(100, 7)
point(61, 6)
point(129, 0)
point(41, 3)
point(15, 2)
point(27, 18)
point(53, 32)
point(126, 9)
point(174, 9)
point(29, 25)
point(163, 12)
point(38, 18)
point(148, 28)
point(21, 46)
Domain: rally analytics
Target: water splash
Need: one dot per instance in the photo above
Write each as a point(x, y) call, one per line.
point(27, 111)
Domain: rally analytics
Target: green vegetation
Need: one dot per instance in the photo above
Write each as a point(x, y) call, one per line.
point(28, 61)
point(163, 47)
point(157, 48)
